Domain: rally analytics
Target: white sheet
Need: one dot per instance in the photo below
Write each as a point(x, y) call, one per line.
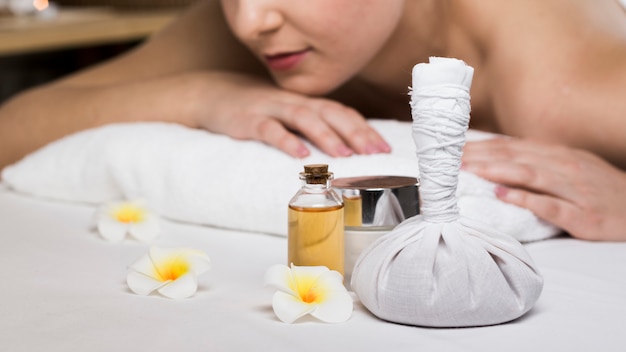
point(64, 290)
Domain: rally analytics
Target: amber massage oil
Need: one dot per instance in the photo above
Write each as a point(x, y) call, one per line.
point(316, 222)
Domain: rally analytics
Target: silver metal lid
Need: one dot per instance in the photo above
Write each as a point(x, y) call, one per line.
point(377, 202)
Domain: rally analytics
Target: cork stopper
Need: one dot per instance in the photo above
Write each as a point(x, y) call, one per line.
point(316, 173)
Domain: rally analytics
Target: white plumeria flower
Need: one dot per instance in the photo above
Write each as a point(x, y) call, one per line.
point(117, 219)
point(314, 290)
point(171, 272)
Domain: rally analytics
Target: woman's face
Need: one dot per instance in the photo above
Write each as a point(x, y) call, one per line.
point(313, 46)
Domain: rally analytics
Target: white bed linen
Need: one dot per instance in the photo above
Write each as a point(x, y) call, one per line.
point(64, 289)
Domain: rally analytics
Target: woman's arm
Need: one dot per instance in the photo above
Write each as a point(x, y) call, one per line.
point(153, 82)
point(194, 73)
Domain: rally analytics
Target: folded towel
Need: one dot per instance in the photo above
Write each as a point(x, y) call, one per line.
point(203, 178)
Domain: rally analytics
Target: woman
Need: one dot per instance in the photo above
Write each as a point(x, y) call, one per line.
point(550, 71)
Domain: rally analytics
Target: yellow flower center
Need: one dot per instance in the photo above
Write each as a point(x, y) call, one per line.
point(172, 268)
point(309, 296)
point(129, 213)
point(308, 289)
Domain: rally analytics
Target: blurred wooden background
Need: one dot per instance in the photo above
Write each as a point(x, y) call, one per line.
point(37, 49)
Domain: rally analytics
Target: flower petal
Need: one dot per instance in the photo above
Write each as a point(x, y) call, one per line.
point(183, 287)
point(147, 230)
point(200, 261)
point(110, 229)
point(314, 271)
point(279, 277)
point(338, 304)
point(289, 308)
point(144, 266)
point(142, 284)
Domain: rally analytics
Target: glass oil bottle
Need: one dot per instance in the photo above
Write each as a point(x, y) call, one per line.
point(316, 221)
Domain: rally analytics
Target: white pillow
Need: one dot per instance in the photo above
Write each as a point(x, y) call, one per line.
point(198, 177)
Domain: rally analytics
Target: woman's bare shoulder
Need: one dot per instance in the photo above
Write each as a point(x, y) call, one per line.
point(529, 27)
point(552, 69)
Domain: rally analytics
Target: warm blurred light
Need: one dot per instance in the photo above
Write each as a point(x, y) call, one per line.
point(40, 4)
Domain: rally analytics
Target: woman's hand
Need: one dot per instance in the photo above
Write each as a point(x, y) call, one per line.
point(570, 188)
point(244, 107)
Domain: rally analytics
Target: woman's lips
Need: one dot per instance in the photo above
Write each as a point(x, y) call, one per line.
point(285, 61)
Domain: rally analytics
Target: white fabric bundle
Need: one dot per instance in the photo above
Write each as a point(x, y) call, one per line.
point(440, 268)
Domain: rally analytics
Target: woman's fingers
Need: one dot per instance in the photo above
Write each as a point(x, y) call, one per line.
point(580, 220)
point(521, 168)
point(274, 133)
point(353, 128)
point(559, 212)
point(335, 129)
point(526, 165)
point(573, 189)
point(307, 121)
point(249, 108)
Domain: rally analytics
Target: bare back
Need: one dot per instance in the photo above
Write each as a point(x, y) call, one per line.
point(553, 70)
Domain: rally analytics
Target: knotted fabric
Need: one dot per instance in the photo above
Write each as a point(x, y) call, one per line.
point(439, 268)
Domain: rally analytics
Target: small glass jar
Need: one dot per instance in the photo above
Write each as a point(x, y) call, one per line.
point(373, 206)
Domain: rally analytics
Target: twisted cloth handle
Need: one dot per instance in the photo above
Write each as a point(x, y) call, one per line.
point(440, 121)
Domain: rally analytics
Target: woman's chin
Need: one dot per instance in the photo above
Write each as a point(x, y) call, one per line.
point(311, 86)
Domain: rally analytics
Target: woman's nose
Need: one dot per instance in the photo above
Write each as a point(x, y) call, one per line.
point(258, 17)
